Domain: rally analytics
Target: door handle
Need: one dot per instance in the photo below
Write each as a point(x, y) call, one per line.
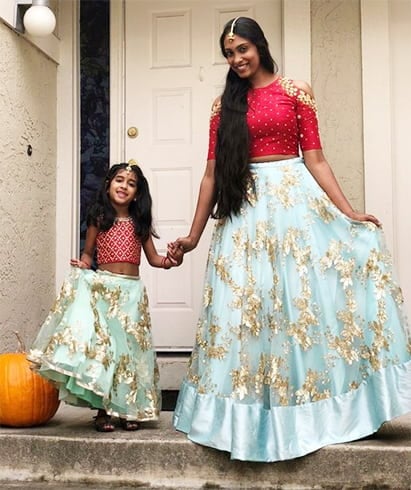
point(132, 132)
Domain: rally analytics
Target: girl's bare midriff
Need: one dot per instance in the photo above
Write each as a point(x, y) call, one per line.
point(121, 268)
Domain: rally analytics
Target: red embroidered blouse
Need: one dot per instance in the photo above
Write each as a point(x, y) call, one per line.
point(119, 243)
point(281, 119)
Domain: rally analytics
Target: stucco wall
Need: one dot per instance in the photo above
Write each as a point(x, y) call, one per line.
point(337, 79)
point(27, 187)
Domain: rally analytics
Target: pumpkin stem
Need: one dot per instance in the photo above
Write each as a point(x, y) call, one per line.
point(22, 347)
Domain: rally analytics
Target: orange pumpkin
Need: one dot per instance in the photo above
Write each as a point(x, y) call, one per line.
point(26, 399)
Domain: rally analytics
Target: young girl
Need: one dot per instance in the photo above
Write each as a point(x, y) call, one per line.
point(96, 342)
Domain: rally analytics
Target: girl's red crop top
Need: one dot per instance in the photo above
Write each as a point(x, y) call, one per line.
point(281, 118)
point(119, 243)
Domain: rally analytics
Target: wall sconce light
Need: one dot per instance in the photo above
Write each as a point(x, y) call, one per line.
point(34, 17)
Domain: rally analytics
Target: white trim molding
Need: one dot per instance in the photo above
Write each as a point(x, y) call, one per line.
point(117, 82)
point(68, 142)
point(377, 114)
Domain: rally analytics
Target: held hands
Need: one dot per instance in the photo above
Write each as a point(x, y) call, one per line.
point(356, 216)
point(186, 243)
point(175, 254)
point(177, 249)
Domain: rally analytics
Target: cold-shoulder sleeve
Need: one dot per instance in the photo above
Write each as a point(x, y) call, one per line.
point(307, 122)
point(214, 123)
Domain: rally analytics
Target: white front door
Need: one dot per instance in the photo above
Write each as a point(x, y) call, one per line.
point(173, 72)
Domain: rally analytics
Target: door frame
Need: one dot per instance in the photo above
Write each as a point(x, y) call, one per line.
point(68, 140)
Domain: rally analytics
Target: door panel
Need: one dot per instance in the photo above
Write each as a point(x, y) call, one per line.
point(174, 71)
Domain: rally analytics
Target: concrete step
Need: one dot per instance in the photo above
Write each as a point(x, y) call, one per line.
point(69, 454)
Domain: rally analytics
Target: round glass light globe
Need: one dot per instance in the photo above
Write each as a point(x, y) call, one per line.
point(39, 21)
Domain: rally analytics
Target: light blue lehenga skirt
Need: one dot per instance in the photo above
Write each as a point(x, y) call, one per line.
point(96, 345)
point(301, 341)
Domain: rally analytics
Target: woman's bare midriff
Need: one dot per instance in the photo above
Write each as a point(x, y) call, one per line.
point(272, 158)
point(121, 268)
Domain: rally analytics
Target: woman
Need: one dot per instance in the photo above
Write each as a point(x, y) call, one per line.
point(301, 341)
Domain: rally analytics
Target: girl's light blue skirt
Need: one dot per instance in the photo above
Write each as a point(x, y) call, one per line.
point(96, 345)
point(301, 341)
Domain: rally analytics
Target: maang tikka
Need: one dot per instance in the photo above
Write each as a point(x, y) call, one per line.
point(231, 34)
point(130, 166)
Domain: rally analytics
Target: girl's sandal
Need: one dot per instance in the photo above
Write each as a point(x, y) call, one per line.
point(128, 424)
point(103, 423)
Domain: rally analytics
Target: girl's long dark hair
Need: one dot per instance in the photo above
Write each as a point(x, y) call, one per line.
point(102, 213)
point(232, 173)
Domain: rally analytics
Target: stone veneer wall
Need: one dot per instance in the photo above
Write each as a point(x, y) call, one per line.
point(28, 82)
point(337, 80)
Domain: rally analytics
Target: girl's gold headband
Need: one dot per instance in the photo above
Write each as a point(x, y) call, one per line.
point(132, 163)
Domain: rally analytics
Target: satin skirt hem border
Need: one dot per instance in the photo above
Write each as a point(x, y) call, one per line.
point(49, 371)
point(288, 432)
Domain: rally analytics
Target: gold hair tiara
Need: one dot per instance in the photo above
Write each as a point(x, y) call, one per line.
point(131, 164)
point(231, 34)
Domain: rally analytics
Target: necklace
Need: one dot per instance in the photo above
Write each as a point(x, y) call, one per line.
point(123, 218)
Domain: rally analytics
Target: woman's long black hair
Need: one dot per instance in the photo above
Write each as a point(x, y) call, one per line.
point(102, 213)
point(232, 173)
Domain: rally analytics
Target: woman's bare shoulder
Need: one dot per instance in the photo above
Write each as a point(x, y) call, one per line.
point(304, 86)
point(216, 107)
